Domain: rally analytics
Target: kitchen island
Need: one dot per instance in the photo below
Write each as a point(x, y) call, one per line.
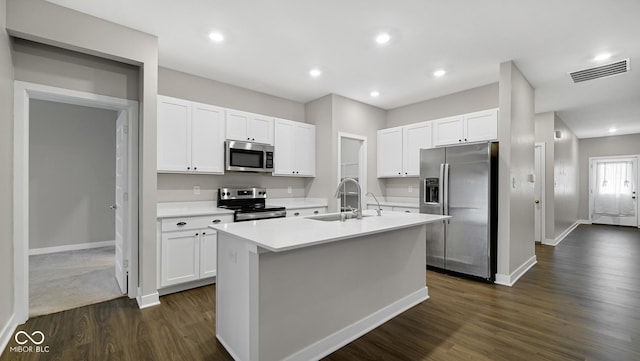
point(301, 288)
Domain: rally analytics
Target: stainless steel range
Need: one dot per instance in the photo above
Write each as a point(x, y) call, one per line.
point(249, 204)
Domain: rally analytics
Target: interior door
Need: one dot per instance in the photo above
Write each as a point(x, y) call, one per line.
point(613, 191)
point(121, 207)
point(538, 233)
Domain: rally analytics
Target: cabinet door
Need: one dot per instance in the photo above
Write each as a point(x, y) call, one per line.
point(284, 157)
point(260, 129)
point(207, 139)
point(180, 257)
point(406, 209)
point(305, 150)
point(390, 152)
point(208, 253)
point(237, 123)
point(415, 137)
point(481, 126)
point(173, 135)
point(448, 131)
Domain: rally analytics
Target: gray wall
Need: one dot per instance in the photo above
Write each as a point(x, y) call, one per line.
point(6, 176)
point(179, 187)
point(71, 174)
point(333, 114)
point(319, 112)
point(601, 147)
point(49, 65)
point(40, 21)
point(516, 134)
point(480, 98)
point(566, 198)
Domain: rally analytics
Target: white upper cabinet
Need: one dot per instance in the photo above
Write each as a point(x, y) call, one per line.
point(390, 152)
point(414, 137)
point(249, 127)
point(190, 137)
point(399, 149)
point(174, 130)
point(295, 149)
point(466, 128)
point(481, 126)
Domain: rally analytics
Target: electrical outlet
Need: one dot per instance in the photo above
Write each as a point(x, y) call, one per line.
point(410, 189)
point(196, 190)
point(289, 189)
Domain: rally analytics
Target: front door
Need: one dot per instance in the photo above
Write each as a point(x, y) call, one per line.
point(612, 191)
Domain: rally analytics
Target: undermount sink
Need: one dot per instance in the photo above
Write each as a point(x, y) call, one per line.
point(333, 217)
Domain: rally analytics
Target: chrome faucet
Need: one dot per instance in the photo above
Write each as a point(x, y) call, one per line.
point(337, 195)
point(379, 210)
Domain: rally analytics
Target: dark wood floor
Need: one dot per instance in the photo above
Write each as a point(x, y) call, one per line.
point(580, 302)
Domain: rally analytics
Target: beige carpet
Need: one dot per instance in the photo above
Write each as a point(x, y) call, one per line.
point(66, 280)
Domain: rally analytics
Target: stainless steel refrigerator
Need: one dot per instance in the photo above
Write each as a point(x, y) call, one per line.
point(461, 181)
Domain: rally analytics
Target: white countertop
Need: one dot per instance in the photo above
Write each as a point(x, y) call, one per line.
point(283, 234)
point(188, 209)
point(206, 208)
point(297, 203)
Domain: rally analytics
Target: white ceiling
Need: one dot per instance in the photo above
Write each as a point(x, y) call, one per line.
point(270, 46)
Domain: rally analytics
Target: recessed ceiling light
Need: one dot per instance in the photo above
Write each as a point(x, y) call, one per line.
point(612, 130)
point(374, 93)
point(216, 37)
point(601, 57)
point(439, 73)
point(383, 38)
point(315, 73)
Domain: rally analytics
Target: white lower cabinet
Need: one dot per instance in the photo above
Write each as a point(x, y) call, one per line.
point(394, 208)
point(306, 212)
point(188, 249)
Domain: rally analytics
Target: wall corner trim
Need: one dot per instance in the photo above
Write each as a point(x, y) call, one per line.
point(510, 280)
point(146, 301)
point(564, 234)
point(7, 332)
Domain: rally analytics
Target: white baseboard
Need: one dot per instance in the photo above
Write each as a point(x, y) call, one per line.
point(7, 332)
point(71, 247)
point(564, 234)
point(187, 286)
point(150, 300)
point(348, 334)
point(510, 280)
point(584, 221)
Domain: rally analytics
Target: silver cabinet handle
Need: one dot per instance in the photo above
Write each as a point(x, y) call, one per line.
point(296, 214)
point(113, 206)
point(216, 221)
point(181, 224)
point(316, 212)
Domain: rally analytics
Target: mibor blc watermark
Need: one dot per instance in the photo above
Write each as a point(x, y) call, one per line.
point(29, 342)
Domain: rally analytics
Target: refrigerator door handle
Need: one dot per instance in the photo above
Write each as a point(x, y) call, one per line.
point(441, 189)
point(445, 194)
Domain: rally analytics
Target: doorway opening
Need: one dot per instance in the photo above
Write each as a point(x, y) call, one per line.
point(352, 163)
point(613, 183)
point(539, 193)
point(43, 226)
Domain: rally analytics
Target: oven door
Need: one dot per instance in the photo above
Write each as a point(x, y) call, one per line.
point(248, 157)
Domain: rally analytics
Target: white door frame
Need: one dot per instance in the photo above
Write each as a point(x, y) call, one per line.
point(23, 93)
point(543, 195)
point(362, 160)
point(592, 175)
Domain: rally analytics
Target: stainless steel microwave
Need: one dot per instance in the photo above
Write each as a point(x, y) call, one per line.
point(248, 157)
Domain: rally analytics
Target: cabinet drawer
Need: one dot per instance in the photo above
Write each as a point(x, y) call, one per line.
point(187, 223)
point(306, 212)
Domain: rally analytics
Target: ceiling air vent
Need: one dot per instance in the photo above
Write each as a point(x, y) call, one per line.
point(618, 67)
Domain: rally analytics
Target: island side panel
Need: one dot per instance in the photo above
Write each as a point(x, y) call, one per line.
point(346, 287)
point(235, 271)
